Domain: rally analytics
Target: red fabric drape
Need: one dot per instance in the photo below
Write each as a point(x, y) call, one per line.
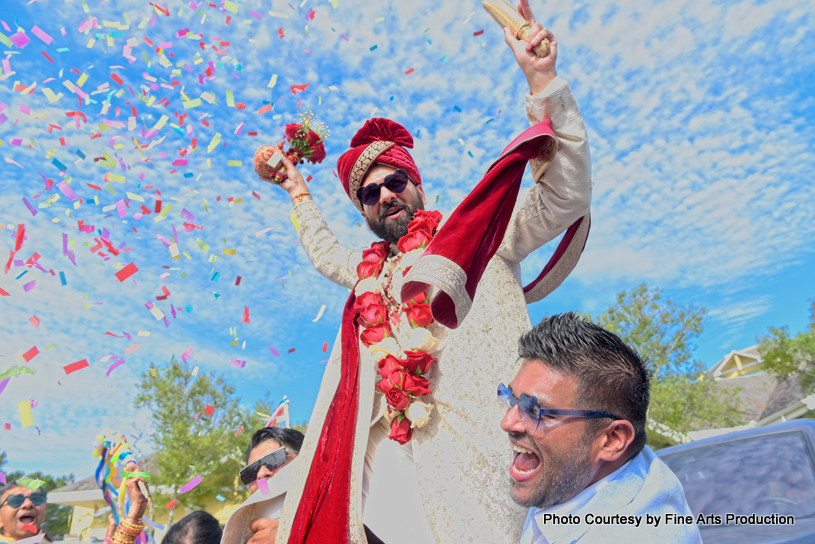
point(474, 231)
point(322, 515)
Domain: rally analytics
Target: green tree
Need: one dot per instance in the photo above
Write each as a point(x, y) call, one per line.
point(191, 442)
point(663, 332)
point(785, 355)
point(57, 518)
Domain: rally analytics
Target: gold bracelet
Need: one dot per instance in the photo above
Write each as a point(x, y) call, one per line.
point(118, 538)
point(132, 527)
point(300, 196)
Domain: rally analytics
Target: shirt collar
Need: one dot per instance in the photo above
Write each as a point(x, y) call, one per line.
point(550, 531)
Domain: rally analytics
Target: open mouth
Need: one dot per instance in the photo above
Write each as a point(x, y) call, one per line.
point(525, 464)
point(26, 522)
point(394, 212)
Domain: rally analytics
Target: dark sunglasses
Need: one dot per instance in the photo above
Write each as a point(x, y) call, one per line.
point(531, 411)
point(17, 500)
point(271, 461)
point(395, 183)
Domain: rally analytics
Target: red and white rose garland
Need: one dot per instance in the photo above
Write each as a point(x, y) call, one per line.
point(401, 374)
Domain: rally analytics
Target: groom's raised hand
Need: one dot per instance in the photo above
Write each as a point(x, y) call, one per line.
point(539, 71)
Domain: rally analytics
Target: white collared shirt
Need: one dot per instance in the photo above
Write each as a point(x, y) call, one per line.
point(535, 530)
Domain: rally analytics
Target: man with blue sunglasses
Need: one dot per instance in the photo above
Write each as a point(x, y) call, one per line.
point(22, 512)
point(575, 418)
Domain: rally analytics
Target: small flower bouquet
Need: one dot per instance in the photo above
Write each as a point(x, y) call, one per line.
point(306, 142)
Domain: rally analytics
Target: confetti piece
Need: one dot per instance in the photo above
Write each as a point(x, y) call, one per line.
point(274, 351)
point(26, 417)
point(238, 280)
point(219, 497)
point(190, 485)
point(171, 504)
point(245, 318)
point(30, 528)
point(238, 363)
point(480, 32)
point(239, 431)
point(291, 350)
point(299, 88)
point(27, 482)
point(409, 71)
point(325, 347)
point(187, 354)
point(131, 349)
point(114, 366)
point(272, 81)
point(42, 35)
point(261, 232)
point(30, 354)
point(73, 367)
point(263, 486)
point(319, 314)
point(34, 320)
point(2, 478)
point(126, 272)
point(29, 286)
point(209, 410)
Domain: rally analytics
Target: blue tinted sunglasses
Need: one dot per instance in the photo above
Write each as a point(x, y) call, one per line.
point(530, 409)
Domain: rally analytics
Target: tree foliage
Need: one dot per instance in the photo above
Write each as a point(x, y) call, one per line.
point(785, 355)
point(663, 332)
point(57, 518)
point(190, 442)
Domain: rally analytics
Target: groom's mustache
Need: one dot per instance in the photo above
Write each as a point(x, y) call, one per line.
point(388, 206)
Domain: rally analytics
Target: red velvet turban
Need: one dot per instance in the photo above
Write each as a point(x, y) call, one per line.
point(379, 141)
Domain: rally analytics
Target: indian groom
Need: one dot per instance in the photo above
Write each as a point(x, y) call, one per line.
point(404, 444)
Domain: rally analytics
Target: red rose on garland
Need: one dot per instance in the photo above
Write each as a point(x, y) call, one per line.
point(389, 364)
point(375, 334)
point(400, 430)
point(417, 362)
point(373, 314)
point(369, 270)
point(414, 240)
point(416, 385)
point(397, 399)
point(419, 315)
point(424, 220)
point(367, 299)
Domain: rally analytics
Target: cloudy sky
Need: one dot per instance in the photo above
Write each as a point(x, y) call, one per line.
point(700, 118)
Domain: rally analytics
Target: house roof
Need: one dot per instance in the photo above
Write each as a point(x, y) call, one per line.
point(786, 393)
point(737, 363)
point(756, 392)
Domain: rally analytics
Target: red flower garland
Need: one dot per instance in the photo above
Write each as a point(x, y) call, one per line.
point(401, 380)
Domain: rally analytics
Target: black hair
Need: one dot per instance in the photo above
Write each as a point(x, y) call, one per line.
point(612, 377)
point(198, 527)
point(290, 438)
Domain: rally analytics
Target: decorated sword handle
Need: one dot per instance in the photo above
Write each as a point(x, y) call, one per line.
point(506, 16)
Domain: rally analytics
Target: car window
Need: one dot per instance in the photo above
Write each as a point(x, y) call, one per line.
point(765, 475)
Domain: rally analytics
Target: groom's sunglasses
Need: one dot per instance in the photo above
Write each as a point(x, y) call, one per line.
point(271, 461)
point(395, 183)
point(17, 500)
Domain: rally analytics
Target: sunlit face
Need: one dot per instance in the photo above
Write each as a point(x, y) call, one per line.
point(265, 447)
point(554, 463)
point(389, 218)
point(12, 520)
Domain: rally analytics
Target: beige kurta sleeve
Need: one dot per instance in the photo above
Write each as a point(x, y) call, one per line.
point(333, 261)
point(562, 192)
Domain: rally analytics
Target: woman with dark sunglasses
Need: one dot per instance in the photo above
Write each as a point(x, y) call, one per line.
point(22, 512)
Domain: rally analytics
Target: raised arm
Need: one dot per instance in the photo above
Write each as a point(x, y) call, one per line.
point(333, 261)
point(562, 192)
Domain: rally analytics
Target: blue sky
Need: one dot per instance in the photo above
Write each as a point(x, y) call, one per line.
point(700, 124)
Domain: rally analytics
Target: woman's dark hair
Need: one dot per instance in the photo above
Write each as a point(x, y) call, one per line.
point(198, 527)
point(290, 438)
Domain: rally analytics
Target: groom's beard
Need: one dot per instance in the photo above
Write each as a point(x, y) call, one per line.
point(392, 231)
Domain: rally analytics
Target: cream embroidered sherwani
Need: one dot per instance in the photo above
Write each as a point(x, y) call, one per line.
point(462, 456)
